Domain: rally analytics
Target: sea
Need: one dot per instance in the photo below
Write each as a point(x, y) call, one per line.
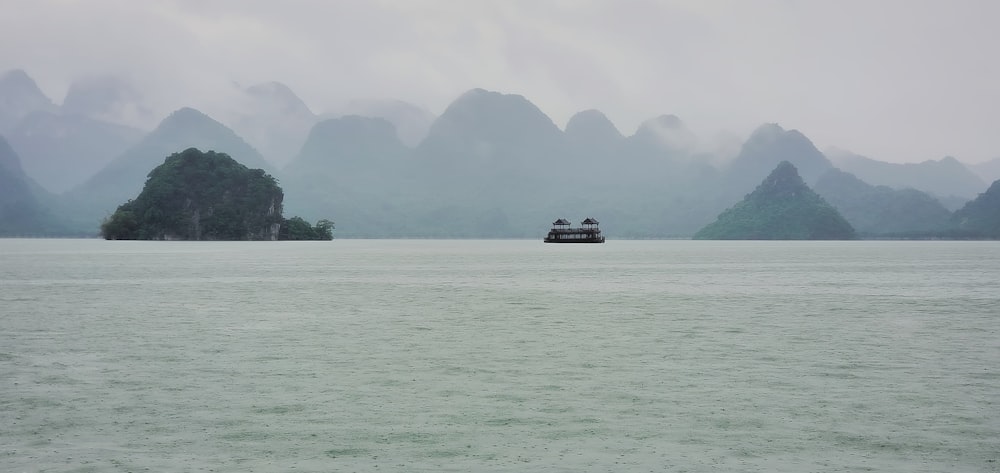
point(499, 356)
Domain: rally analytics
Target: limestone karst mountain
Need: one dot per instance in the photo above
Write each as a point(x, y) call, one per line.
point(881, 210)
point(989, 171)
point(666, 135)
point(23, 210)
point(492, 165)
point(782, 207)
point(349, 147)
point(595, 144)
point(60, 146)
point(489, 132)
point(411, 122)
point(592, 128)
point(493, 151)
point(980, 218)
point(943, 178)
point(769, 145)
point(61, 151)
point(123, 177)
point(109, 99)
point(272, 118)
point(20, 96)
point(355, 168)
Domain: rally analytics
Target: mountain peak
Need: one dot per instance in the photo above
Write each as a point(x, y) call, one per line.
point(769, 145)
point(980, 217)
point(411, 121)
point(782, 207)
point(592, 124)
point(478, 93)
point(351, 128)
point(666, 133)
point(479, 114)
point(772, 133)
point(95, 95)
point(270, 88)
point(280, 96)
point(190, 128)
point(184, 115)
point(784, 180)
point(487, 98)
point(17, 77)
point(767, 131)
point(19, 96)
point(670, 121)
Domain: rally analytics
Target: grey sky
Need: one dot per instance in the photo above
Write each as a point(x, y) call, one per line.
point(896, 80)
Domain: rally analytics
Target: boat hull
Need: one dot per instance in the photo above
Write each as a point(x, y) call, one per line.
point(574, 237)
point(579, 240)
point(561, 232)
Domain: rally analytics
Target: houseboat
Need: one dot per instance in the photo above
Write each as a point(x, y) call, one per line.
point(561, 232)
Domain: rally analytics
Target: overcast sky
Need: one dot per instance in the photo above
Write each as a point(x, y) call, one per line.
point(895, 80)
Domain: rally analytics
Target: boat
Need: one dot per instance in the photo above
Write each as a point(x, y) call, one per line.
point(562, 232)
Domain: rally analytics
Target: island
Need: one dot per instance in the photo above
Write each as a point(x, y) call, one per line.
point(782, 207)
point(197, 195)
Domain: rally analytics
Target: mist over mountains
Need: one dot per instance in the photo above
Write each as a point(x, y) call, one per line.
point(492, 165)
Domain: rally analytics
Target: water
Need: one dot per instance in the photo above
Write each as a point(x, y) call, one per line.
point(499, 356)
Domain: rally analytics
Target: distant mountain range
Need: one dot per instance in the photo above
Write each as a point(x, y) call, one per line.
point(24, 207)
point(19, 97)
point(124, 176)
point(492, 165)
point(882, 210)
point(946, 178)
point(272, 119)
point(980, 218)
point(989, 171)
point(60, 151)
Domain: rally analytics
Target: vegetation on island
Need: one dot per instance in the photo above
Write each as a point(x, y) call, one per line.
point(980, 218)
point(296, 228)
point(782, 207)
point(197, 195)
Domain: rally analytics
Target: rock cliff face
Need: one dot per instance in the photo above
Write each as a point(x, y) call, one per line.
point(200, 196)
point(782, 207)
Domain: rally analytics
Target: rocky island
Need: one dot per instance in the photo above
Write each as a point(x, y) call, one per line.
point(197, 195)
point(782, 207)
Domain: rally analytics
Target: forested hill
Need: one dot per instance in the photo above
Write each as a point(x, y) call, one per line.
point(880, 211)
point(980, 218)
point(198, 195)
point(782, 207)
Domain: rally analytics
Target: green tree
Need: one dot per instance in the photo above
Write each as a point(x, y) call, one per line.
point(198, 195)
point(324, 229)
point(296, 228)
point(782, 207)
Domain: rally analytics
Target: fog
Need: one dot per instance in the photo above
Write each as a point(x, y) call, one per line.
point(899, 81)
